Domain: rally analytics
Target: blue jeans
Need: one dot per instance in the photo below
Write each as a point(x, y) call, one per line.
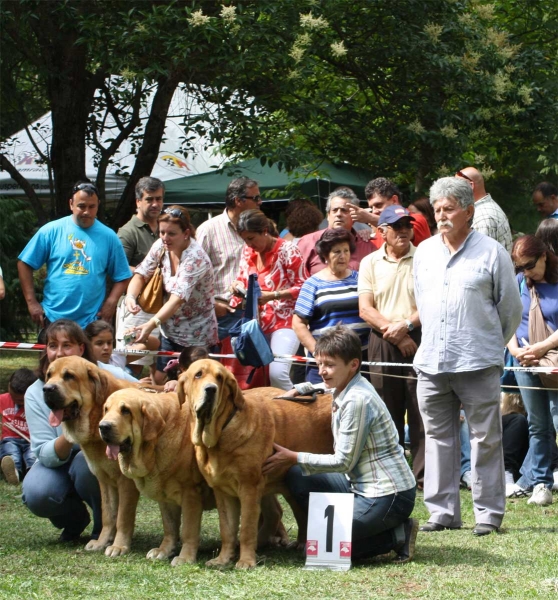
point(465, 439)
point(60, 494)
point(537, 466)
point(225, 323)
point(20, 451)
point(377, 522)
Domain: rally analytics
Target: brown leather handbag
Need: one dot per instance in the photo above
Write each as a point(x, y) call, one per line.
point(538, 332)
point(151, 298)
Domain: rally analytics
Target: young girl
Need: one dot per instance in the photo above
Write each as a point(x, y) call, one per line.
point(60, 485)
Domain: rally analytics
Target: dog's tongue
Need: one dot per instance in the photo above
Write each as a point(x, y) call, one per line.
point(112, 451)
point(55, 417)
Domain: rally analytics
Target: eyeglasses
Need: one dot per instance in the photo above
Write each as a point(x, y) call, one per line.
point(85, 187)
point(398, 225)
point(528, 266)
point(257, 198)
point(173, 212)
point(461, 174)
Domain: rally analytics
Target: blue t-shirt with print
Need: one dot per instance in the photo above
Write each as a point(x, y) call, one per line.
point(78, 262)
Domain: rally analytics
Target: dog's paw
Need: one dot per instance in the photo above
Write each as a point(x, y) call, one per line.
point(177, 561)
point(245, 564)
point(95, 545)
point(217, 562)
point(114, 551)
point(159, 554)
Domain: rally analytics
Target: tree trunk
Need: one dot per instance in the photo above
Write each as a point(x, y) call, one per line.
point(147, 155)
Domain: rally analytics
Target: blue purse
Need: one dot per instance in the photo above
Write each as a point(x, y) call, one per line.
point(248, 341)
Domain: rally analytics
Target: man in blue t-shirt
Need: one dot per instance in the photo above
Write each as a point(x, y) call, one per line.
point(79, 253)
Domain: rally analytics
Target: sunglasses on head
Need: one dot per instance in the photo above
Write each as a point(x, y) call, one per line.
point(85, 187)
point(173, 212)
point(528, 266)
point(461, 174)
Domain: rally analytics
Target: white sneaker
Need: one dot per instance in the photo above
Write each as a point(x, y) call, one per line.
point(509, 478)
point(542, 496)
point(555, 484)
point(466, 480)
point(515, 491)
point(9, 470)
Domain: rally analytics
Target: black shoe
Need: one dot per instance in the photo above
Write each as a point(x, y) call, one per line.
point(72, 534)
point(484, 529)
point(431, 526)
point(407, 551)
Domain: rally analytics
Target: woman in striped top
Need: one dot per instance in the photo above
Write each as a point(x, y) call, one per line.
point(330, 296)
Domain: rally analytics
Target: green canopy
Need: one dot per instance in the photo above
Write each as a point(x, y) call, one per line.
point(316, 182)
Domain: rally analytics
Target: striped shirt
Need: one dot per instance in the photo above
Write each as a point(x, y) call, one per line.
point(326, 303)
point(367, 446)
point(221, 242)
point(491, 220)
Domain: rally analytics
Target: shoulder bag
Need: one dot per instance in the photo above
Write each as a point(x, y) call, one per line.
point(538, 332)
point(151, 297)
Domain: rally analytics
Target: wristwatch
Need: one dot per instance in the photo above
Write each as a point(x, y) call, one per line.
point(409, 324)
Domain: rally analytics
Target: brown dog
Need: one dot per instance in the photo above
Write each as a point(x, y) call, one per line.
point(233, 435)
point(75, 391)
point(149, 435)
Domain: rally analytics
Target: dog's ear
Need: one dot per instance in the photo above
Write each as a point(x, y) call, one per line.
point(153, 422)
point(182, 396)
point(100, 383)
point(234, 390)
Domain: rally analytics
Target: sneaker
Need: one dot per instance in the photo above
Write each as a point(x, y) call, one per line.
point(542, 496)
point(466, 480)
point(509, 478)
point(515, 491)
point(555, 484)
point(9, 470)
point(407, 551)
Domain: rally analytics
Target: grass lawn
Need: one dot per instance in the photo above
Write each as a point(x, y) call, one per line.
point(519, 562)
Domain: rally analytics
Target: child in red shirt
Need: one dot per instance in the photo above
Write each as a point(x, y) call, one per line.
point(16, 457)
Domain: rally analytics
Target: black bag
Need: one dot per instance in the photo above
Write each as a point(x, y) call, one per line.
point(248, 341)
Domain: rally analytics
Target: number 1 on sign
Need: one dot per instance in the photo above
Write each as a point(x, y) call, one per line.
point(329, 514)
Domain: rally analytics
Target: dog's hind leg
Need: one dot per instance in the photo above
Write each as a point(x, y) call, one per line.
point(109, 508)
point(229, 517)
point(170, 515)
point(128, 496)
point(271, 529)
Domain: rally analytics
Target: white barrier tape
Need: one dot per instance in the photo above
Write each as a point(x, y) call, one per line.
point(281, 357)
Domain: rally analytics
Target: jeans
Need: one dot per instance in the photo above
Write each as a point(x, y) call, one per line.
point(378, 523)
point(225, 323)
point(537, 466)
point(60, 494)
point(465, 440)
point(20, 451)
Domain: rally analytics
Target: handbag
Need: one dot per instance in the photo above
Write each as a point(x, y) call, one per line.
point(248, 341)
point(151, 297)
point(538, 332)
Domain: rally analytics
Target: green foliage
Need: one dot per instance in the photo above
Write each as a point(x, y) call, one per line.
point(16, 228)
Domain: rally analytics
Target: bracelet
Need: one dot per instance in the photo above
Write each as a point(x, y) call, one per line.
point(131, 296)
point(156, 321)
point(276, 295)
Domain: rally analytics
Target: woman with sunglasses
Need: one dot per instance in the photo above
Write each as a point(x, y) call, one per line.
point(537, 267)
point(187, 317)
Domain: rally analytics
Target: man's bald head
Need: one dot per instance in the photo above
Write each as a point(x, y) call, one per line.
point(475, 178)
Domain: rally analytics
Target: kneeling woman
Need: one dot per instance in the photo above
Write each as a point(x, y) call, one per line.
point(368, 460)
point(60, 484)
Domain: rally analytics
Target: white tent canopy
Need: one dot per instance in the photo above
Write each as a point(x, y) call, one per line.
point(24, 150)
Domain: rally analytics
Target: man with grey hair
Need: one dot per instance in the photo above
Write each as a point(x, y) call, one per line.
point(338, 216)
point(469, 307)
point(222, 243)
point(137, 236)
